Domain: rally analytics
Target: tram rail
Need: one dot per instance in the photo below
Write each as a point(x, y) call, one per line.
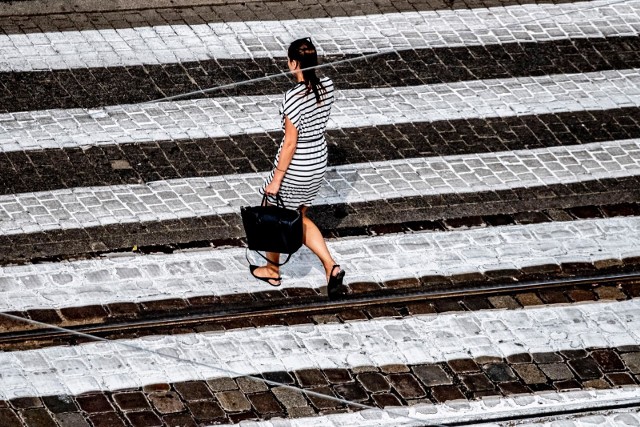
point(284, 309)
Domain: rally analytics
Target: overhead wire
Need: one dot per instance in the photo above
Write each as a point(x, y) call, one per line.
point(360, 57)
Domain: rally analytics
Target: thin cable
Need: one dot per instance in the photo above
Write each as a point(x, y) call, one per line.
point(223, 370)
point(361, 57)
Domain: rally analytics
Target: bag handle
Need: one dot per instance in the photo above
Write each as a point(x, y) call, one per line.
point(279, 203)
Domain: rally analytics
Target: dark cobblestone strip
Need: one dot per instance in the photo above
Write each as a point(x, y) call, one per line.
point(122, 318)
point(230, 12)
point(525, 205)
point(94, 87)
point(231, 400)
point(42, 170)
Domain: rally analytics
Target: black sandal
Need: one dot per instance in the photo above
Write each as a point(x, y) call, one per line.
point(335, 282)
point(252, 268)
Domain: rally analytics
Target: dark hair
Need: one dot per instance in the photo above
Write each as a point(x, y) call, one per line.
point(303, 51)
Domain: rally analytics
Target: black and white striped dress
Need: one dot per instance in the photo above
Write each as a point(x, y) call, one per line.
point(305, 174)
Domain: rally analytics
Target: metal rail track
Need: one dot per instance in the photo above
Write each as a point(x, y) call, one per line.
point(149, 326)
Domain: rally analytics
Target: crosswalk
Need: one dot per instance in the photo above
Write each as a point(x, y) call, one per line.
point(520, 120)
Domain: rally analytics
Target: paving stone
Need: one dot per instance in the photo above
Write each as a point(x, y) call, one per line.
point(550, 296)
point(373, 382)
point(607, 360)
point(476, 382)
point(442, 393)
point(381, 312)
point(446, 305)
point(71, 420)
point(530, 374)
point(597, 384)
point(86, 314)
point(529, 299)
point(519, 358)
point(166, 403)
point(384, 400)
point(233, 401)
point(37, 417)
point(301, 412)
point(504, 301)
point(351, 315)
point(338, 376)
point(26, 402)
point(581, 295)
point(556, 371)
point(476, 303)
point(586, 368)
point(394, 369)
point(250, 385)
point(310, 378)
point(547, 357)
point(431, 375)
point(265, 403)
point(94, 403)
point(222, 384)
point(193, 390)
point(632, 360)
point(59, 404)
point(206, 411)
point(242, 416)
point(633, 289)
point(106, 419)
point(420, 308)
point(610, 293)
point(281, 377)
point(160, 387)
point(407, 386)
point(514, 387)
point(323, 404)
point(131, 401)
point(463, 365)
point(574, 354)
point(351, 391)
point(143, 418)
point(499, 372)
point(567, 385)
point(289, 398)
point(182, 420)
point(9, 418)
point(620, 379)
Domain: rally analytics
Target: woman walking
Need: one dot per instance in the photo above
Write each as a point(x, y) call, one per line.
point(301, 161)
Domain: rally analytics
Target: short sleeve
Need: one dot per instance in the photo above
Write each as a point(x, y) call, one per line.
point(292, 108)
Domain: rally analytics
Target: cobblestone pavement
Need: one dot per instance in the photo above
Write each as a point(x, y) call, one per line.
point(136, 278)
point(484, 143)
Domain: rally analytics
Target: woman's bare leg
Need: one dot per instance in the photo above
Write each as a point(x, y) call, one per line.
point(312, 238)
point(270, 270)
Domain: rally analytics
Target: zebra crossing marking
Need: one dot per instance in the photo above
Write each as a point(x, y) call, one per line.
point(166, 44)
point(82, 207)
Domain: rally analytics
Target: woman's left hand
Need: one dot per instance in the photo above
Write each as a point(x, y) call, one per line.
point(273, 188)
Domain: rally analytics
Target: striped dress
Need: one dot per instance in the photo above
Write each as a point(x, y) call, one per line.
point(305, 174)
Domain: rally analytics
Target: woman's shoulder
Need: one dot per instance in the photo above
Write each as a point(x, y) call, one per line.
point(326, 81)
point(296, 89)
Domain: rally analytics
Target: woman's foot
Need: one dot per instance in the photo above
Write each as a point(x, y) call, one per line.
point(334, 282)
point(266, 274)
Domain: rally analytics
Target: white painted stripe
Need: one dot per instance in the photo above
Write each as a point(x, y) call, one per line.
point(343, 35)
point(487, 409)
point(223, 117)
point(83, 207)
point(412, 340)
point(139, 278)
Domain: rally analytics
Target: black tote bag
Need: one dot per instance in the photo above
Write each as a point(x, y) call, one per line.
point(272, 228)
